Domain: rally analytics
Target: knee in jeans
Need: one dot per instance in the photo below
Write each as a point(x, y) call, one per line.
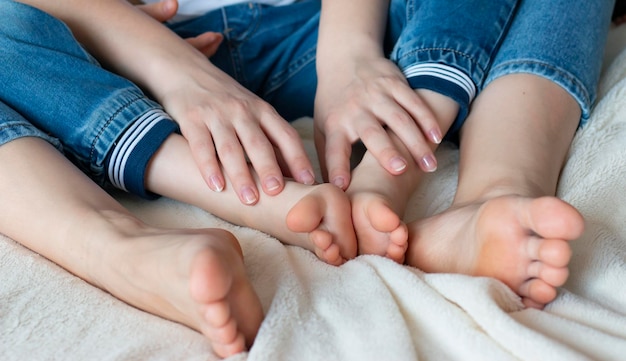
point(21, 22)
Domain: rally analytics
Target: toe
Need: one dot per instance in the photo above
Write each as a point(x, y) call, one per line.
point(554, 276)
point(217, 314)
point(396, 253)
point(309, 206)
point(325, 249)
point(224, 350)
point(400, 236)
point(528, 303)
point(537, 291)
point(321, 240)
point(555, 252)
point(224, 335)
point(569, 225)
point(382, 218)
point(332, 256)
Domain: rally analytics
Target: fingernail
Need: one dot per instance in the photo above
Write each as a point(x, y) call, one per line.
point(307, 177)
point(397, 164)
point(339, 182)
point(216, 183)
point(248, 195)
point(435, 136)
point(430, 163)
point(272, 184)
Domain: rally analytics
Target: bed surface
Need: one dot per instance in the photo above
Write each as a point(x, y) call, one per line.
point(370, 308)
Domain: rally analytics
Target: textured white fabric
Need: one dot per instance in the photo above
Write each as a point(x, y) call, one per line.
point(370, 308)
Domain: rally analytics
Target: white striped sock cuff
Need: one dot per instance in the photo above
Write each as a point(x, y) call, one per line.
point(444, 72)
point(121, 160)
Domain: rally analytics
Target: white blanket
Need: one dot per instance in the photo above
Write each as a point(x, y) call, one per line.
point(369, 308)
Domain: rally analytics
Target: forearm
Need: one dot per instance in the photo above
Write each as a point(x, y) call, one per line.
point(350, 29)
point(124, 39)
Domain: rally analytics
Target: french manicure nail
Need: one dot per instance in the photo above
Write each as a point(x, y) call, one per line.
point(216, 183)
point(430, 163)
point(397, 164)
point(307, 177)
point(248, 195)
point(339, 182)
point(272, 184)
point(435, 136)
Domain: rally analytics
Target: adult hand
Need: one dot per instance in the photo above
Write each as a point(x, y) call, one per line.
point(363, 100)
point(225, 124)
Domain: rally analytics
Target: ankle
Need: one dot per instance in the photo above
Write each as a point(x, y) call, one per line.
point(107, 244)
point(499, 189)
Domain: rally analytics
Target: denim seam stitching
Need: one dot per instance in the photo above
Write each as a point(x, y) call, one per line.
point(462, 54)
point(106, 125)
point(234, 43)
point(21, 125)
point(279, 79)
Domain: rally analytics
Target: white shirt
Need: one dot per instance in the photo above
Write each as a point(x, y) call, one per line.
point(191, 8)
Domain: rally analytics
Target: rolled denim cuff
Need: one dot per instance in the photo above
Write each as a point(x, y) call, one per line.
point(129, 159)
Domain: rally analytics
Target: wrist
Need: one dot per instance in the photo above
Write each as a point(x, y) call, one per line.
point(170, 69)
point(347, 50)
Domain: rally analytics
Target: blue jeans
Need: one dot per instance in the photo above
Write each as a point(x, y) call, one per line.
point(53, 89)
point(271, 50)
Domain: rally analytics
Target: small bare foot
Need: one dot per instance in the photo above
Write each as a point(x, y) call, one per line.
point(314, 217)
point(378, 228)
point(378, 202)
point(522, 242)
point(194, 277)
point(321, 220)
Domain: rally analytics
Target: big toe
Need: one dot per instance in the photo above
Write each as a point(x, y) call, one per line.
point(554, 218)
point(305, 216)
point(382, 218)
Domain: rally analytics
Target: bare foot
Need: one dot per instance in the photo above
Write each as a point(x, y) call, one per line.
point(194, 277)
point(313, 217)
point(379, 229)
point(378, 202)
point(317, 218)
point(379, 199)
point(522, 242)
point(322, 222)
